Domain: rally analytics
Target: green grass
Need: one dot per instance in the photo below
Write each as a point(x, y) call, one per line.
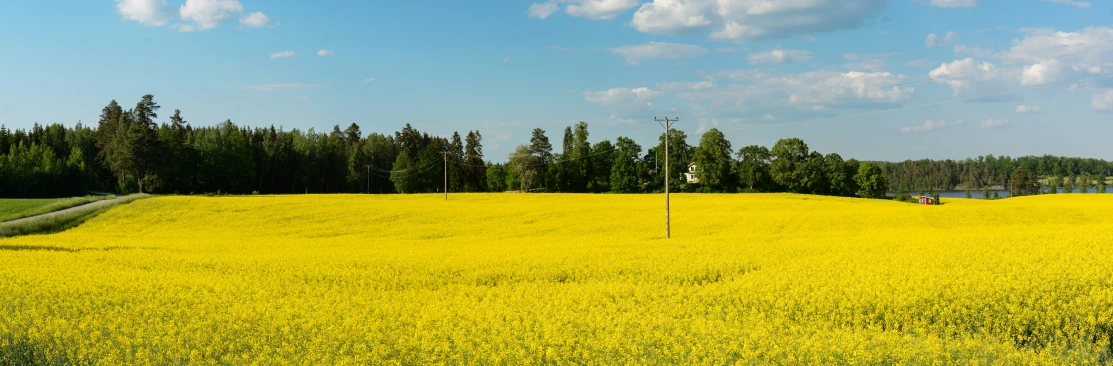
point(11, 209)
point(63, 221)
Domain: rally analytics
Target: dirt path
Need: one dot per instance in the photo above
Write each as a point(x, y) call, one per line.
point(62, 211)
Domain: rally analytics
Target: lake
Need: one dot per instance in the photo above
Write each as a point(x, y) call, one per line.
point(978, 193)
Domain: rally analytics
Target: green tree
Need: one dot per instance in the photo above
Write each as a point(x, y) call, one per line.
point(1085, 182)
point(580, 160)
point(131, 153)
point(871, 181)
point(1023, 183)
point(473, 151)
point(458, 175)
point(522, 164)
point(815, 174)
point(680, 154)
point(753, 167)
point(543, 150)
point(352, 134)
point(624, 173)
point(712, 158)
point(496, 177)
point(226, 161)
point(789, 165)
point(603, 157)
point(840, 179)
point(563, 171)
point(430, 158)
point(404, 174)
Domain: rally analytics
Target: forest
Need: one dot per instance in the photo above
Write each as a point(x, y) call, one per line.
point(130, 151)
point(991, 172)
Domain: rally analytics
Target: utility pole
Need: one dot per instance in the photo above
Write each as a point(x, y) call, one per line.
point(667, 124)
point(368, 178)
point(445, 153)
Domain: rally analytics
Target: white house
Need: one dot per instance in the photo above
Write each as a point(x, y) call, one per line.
point(690, 175)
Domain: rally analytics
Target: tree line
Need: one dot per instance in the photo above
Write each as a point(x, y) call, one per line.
point(986, 172)
point(129, 151)
point(620, 167)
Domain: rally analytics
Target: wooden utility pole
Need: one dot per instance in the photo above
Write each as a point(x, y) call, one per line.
point(667, 124)
point(445, 153)
point(369, 172)
point(368, 178)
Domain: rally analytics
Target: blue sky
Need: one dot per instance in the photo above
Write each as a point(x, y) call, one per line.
point(871, 79)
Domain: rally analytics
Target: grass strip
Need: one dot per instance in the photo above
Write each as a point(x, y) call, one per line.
point(63, 221)
point(12, 209)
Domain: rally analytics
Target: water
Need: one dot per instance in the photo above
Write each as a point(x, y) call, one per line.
point(978, 193)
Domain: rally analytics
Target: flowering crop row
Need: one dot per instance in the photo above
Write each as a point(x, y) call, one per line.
point(530, 279)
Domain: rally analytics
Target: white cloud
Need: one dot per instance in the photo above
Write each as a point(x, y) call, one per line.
point(931, 40)
point(1077, 4)
point(625, 98)
point(207, 14)
point(768, 117)
point(274, 87)
point(146, 12)
point(920, 63)
point(972, 50)
point(1055, 55)
point(950, 37)
point(598, 9)
point(369, 80)
point(871, 62)
point(658, 51)
point(255, 20)
point(1041, 73)
point(753, 93)
point(590, 9)
point(1027, 109)
point(323, 53)
point(994, 123)
point(685, 86)
point(779, 56)
point(983, 30)
point(1041, 57)
point(283, 54)
point(967, 77)
point(542, 10)
point(928, 126)
point(1102, 101)
point(953, 3)
point(743, 21)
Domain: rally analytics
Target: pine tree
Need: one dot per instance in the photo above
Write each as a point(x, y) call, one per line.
point(457, 174)
point(473, 150)
point(580, 160)
point(541, 148)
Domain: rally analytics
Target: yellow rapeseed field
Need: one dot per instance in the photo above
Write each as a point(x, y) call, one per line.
point(535, 278)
